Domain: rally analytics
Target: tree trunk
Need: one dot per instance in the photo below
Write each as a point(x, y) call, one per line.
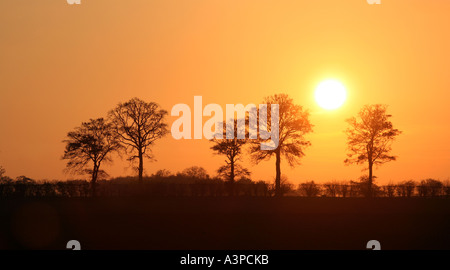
point(94, 180)
point(369, 181)
point(232, 172)
point(232, 175)
point(278, 174)
point(141, 165)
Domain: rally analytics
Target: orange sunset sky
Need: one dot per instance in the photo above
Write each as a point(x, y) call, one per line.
point(63, 64)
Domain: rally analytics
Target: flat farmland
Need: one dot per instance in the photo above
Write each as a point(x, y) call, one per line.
point(205, 223)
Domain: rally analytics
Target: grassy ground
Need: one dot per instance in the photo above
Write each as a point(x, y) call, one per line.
point(225, 223)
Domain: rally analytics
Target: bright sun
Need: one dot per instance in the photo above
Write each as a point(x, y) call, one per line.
point(330, 94)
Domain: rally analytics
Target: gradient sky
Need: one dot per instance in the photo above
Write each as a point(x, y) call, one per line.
point(62, 64)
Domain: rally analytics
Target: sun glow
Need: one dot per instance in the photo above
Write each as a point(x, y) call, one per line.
point(330, 94)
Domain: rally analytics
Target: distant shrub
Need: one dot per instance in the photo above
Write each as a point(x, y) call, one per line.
point(389, 190)
point(331, 189)
point(447, 188)
point(406, 188)
point(361, 188)
point(430, 188)
point(195, 172)
point(309, 189)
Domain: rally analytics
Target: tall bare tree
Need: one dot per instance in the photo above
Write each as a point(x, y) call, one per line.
point(293, 125)
point(138, 124)
point(91, 143)
point(369, 139)
point(232, 150)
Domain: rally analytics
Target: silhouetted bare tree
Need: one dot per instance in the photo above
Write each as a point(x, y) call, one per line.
point(232, 150)
point(369, 139)
point(139, 124)
point(2, 171)
point(293, 125)
point(92, 142)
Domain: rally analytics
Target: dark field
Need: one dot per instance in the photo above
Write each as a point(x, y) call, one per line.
point(225, 223)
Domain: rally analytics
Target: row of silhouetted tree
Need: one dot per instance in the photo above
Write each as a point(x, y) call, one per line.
point(131, 129)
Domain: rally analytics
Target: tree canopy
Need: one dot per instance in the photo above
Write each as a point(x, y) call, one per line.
point(91, 143)
point(293, 124)
point(138, 125)
point(369, 138)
